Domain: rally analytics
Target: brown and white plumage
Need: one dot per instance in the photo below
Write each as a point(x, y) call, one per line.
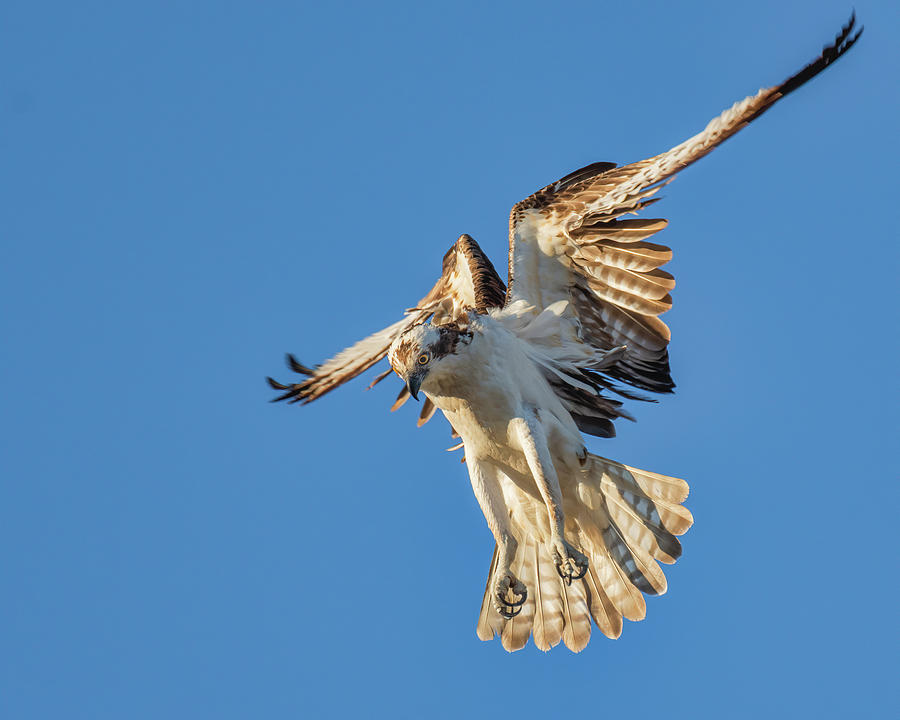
point(468, 282)
point(521, 371)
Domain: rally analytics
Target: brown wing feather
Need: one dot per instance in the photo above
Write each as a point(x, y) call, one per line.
point(568, 243)
point(468, 282)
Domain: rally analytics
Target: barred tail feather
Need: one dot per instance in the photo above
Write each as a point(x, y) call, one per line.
point(626, 521)
point(517, 630)
point(490, 624)
point(625, 597)
point(576, 616)
point(603, 612)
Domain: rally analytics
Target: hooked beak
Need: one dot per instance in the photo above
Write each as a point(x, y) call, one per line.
point(413, 383)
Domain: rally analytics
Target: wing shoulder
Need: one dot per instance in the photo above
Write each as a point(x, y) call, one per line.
point(468, 282)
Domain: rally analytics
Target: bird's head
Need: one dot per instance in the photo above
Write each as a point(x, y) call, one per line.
point(422, 350)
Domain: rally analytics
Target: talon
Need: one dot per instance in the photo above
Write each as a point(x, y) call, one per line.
point(570, 564)
point(510, 594)
point(582, 568)
point(564, 574)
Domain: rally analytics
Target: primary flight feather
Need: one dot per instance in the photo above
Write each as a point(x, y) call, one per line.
point(521, 371)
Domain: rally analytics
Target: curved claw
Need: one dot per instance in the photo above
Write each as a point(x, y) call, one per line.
point(509, 614)
point(564, 568)
point(582, 571)
point(510, 595)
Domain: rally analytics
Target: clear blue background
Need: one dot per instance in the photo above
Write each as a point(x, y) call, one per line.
point(192, 189)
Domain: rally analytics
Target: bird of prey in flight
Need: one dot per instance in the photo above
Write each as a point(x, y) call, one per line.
point(522, 370)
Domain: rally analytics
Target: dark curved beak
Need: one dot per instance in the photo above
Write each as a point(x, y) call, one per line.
point(413, 383)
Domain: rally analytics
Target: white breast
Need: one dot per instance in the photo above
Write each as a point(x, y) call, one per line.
point(487, 383)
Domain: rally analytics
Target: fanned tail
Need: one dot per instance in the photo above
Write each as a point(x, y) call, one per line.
point(626, 521)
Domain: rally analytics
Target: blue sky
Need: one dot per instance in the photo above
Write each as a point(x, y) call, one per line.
point(192, 189)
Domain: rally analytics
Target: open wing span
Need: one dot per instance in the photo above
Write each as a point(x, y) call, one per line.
point(572, 255)
point(578, 536)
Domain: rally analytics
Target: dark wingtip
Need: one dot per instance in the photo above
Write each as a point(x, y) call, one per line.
point(843, 41)
point(297, 366)
point(291, 393)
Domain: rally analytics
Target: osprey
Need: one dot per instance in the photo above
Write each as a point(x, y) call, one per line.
point(521, 371)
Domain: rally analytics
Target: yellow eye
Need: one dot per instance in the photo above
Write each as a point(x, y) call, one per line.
point(424, 358)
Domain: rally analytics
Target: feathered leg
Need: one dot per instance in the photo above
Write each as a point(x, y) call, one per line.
point(570, 563)
point(509, 593)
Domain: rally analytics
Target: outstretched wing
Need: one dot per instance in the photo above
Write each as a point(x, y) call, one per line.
point(468, 282)
point(568, 242)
